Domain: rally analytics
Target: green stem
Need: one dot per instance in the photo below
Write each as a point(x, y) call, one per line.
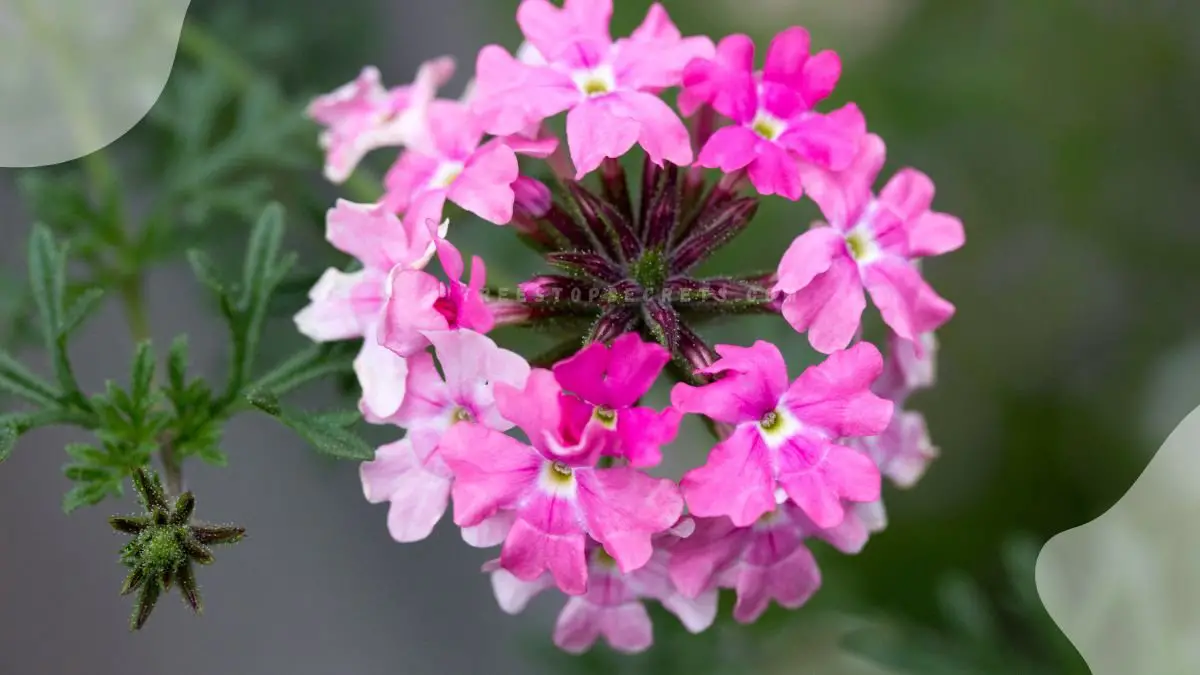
point(204, 47)
point(134, 301)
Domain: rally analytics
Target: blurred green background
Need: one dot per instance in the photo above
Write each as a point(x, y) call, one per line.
point(1065, 134)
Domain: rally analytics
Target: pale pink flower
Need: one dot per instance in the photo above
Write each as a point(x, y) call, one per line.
point(910, 365)
point(869, 243)
point(348, 305)
point(775, 132)
point(850, 537)
point(765, 561)
point(418, 302)
point(362, 116)
point(558, 496)
point(610, 382)
point(454, 164)
point(609, 88)
point(903, 451)
point(613, 606)
point(785, 436)
point(344, 304)
point(411, 473)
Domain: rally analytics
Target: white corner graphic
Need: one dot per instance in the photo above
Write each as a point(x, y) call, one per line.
point(1125, 588)
point(79, 74)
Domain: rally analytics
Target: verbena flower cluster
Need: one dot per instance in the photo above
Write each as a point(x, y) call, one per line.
point(549, 461)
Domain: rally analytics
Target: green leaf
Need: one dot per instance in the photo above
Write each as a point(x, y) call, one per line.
point(327, 438)
point(8, 440)
point(177, 364)
point(313, 363)
point(15, 379)
point(204, 270)
point(141, 381)
point(80, 310)
point(262, 274)
point(214, 455)
point(91, 493)
point(47, 279)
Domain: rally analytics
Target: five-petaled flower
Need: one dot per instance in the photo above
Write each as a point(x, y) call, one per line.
point(869, 243)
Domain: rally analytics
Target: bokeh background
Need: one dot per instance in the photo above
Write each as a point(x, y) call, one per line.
point(1065, 134)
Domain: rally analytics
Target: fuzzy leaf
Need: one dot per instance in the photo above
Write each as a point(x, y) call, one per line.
point(141, 380)
point(16, 380)
point(84, 306)
point(326, 438)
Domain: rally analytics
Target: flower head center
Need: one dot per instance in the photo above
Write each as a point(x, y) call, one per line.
point(448, 309)
point(768, 126)
point(603, 558)
point(862, 245)
point(560, 473)
point(446, 173)
point(596, 82)
point(606, 416)
point(771, 421)
point(460, 414)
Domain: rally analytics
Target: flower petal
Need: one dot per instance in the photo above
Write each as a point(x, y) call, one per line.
point(383, 376)
point(934, 233)
point(830, 308)
point(909, 305)
point(623, 508)
point(409, 310)
point(529, 552)
point(736, 480)
point(835, 395)
point(513, 594)
point(491, 470)
point(729, 149)
point(809, 256)
point(485, 185)
point(776, 171)
point(595, 131)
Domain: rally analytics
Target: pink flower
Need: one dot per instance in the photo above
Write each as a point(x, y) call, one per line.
point(559, 498)
point(344, 304)
point(784, 435)
point(411, 473)
point(903, 451)
point(610, 382)
point(609, 88)
point(347, 305)
point(362, 116)
point(452, 164)
point(910, 365)
point(870, 243)
point(613, 605)
point(764, 562)
point(775, 132)
point(417, 302)
point(850, 537)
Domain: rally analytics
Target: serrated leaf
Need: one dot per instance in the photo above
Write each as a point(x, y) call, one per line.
point(89, 494)
point(17, 380)
point(326, 438)
point(314, 362)
point(80, 310)
point(177, 364)
point(265, 241)
point(205, 272)
point(46, 280)
point(141, 381)
point(8, 441)
point(211, 454)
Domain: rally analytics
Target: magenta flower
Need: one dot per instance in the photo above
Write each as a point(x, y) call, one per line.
point(610, 381)
point(613, 607)
point(362, 116)
point(609, 88)
point(869, 243)
point(784, 435)
point(764, 562)
point(410, 474)
point(558, 496)
point(451, 163)
point(417, 302)
point(775, 133)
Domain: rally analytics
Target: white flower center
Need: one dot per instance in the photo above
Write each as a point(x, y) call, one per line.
point(557, 478)
point(595, 82)
point(445, 174)
point(777, 426)
point(768, 126)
